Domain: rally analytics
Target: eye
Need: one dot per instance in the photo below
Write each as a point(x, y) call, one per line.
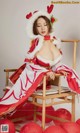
point(38, 26)
point(45, 24)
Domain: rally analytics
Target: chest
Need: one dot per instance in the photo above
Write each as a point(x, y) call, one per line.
point(48, 46)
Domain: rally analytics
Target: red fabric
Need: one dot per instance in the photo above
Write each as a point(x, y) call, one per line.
point(47, 37)
point(30, 60)
point(33, 45)
point(73, 83)
point(24, 98)
point(4, 108)
point(26, 110)
point(16, 74)
point(31, 127)
point(41, 63)
point(36, 61)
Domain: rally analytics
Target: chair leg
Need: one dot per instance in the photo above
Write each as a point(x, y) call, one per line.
point(73, 107)
point(44, 103)
point(35, 111)
point(43, 114)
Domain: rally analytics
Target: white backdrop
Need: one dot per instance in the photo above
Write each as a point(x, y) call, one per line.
point(14, 41)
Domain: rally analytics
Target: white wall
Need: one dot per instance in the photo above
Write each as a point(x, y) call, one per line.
point(13, 38)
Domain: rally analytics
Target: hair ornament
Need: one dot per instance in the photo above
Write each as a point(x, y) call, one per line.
point(32, 16)
point(50, 8)
point(29, 15)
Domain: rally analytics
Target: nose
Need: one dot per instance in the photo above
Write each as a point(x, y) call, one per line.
point(42, 27)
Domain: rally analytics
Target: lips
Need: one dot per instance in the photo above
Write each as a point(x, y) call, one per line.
point(43, 32)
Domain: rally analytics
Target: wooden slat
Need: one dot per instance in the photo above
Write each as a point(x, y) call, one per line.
point(9, 70)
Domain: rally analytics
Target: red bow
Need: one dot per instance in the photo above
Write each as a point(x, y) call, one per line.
point(47, 37)
point(50, 8)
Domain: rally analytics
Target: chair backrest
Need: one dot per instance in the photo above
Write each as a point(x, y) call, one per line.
point(8, 72)
point(74, 43)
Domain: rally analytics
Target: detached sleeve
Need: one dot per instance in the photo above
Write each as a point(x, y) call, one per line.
point(57, 42)
point(31, 51)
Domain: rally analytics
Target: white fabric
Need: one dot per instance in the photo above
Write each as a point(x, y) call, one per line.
point(24, 82)
point(56, 42)
point(66, 68)
point(51, 63)
point(29, 27)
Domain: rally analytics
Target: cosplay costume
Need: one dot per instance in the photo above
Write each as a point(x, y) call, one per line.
point(28, 77)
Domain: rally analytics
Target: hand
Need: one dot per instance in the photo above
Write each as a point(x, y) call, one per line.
point(64, 73)
point(51, 75)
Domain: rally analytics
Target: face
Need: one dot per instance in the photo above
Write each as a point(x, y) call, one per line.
point(42, 27)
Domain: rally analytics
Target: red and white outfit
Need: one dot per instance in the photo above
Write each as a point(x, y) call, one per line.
point(27, 78)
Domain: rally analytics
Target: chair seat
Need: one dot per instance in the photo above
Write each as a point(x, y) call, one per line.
point(52, 90)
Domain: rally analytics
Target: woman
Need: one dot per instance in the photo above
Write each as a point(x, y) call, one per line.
point(43, 58)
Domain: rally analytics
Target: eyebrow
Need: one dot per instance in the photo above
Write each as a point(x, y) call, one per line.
point(40, 23)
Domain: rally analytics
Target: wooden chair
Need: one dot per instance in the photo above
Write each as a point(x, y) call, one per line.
point(56, 95)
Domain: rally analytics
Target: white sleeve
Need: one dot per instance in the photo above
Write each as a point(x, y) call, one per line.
point(57, 42)
point(30, 55)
